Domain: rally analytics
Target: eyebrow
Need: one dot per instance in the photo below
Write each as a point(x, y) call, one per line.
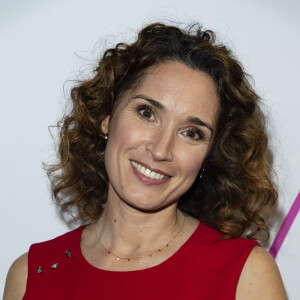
point(192, 120)
point(197, 121)
point(153, 102)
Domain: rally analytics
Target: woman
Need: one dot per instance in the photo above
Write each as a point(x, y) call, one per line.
point(162, 160)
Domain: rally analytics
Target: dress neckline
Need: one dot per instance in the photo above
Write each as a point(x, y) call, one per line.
point(158, 267)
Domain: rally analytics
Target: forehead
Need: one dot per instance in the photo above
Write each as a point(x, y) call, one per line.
point(181, 89)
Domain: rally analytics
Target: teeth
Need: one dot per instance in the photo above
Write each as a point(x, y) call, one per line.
point(157, 176)
point(153, 175)
point(147, 172)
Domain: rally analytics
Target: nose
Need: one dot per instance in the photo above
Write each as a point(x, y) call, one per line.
point(161, 145)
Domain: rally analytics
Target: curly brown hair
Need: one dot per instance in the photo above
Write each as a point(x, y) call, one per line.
point(236, 193)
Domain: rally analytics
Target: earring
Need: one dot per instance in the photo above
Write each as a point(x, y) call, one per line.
point(201, 173)
point(106, 136)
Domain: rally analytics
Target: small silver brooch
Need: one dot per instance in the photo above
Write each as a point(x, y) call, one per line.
point(54, 266)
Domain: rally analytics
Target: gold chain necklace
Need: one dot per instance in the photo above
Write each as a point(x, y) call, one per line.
point(118, 258)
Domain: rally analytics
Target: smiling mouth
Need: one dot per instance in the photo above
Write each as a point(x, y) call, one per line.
point(147, 172)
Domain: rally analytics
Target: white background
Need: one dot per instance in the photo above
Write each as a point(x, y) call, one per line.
point(45, 44)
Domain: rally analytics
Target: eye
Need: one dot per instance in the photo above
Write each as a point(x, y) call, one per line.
point(146, 112)
point(194, 134)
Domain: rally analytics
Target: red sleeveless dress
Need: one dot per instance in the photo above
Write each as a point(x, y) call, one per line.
point(203, 268)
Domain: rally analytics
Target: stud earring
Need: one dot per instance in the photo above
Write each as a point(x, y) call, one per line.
point(106, 136)
point(201, 173)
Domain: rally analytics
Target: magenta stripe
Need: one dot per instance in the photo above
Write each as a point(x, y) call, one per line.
point(285, 227)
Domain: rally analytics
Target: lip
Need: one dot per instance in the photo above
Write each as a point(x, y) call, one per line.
point(146, 180)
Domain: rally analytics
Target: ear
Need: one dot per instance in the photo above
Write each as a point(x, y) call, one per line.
point(104, 125)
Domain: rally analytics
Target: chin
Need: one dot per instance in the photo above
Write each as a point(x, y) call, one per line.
point(148, 206)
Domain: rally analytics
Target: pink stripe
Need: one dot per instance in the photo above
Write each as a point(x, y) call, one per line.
point(285, 227)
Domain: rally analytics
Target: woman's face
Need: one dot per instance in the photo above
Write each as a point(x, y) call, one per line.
point(159, 136)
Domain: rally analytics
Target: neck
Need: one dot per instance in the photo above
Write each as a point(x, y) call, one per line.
point(128, 232)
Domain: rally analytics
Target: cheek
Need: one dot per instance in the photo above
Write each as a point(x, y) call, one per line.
point(124, 136)
point(192, 161)
point(128, 133)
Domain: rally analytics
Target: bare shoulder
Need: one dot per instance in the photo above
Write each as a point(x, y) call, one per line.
point(16, 279)
point(260, 278)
